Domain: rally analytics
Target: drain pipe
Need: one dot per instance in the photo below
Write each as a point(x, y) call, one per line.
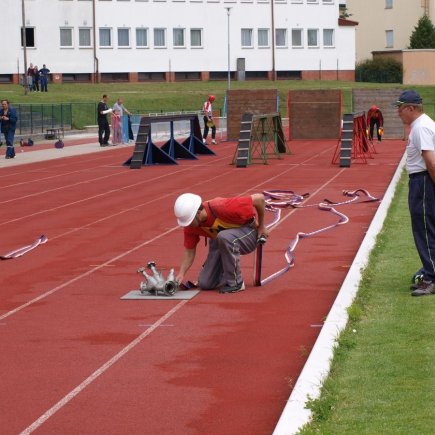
point(96, 66)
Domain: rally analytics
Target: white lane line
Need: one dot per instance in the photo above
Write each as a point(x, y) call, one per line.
point(83, 275)
point(77, 390)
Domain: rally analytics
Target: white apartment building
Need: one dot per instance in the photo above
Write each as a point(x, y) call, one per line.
point(171, 40)
point(386, 25)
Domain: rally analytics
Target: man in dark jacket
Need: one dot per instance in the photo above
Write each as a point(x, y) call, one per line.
point(8, 121)
point(103, 123)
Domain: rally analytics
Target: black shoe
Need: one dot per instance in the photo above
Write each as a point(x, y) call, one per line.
point(426, 288)
point(233, 288)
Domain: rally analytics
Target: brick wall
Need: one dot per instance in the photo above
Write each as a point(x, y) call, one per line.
point(314, 114)
point(259, 101)
point(363, 99)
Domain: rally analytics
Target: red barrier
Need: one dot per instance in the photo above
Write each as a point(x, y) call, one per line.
point(362, 146)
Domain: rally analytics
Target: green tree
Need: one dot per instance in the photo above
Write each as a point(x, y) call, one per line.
point(423, 35)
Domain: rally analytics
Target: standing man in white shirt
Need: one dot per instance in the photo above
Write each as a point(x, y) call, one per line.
point(420, 165)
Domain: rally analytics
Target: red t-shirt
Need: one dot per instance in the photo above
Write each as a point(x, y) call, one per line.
point(222, 213)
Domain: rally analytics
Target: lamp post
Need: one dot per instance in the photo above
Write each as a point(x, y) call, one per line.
point(23, 13)
point(272, 12)
point(228, 29)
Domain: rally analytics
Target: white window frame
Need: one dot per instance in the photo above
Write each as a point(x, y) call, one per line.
point(301, 33)
point(71, 32)
point(89, 30)
point(109, 29)
point(309, 31)
point(163, 30)
point(147, 33)
point(183, 31)
point(196, 29)
point(267, 44)
point(128, 34)
point(332, 33)
point(246, 31)
point(389, 38)
point(285, 45)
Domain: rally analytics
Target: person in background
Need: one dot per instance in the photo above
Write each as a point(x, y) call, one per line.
point(420, 165)
point(116, 127)
point(8, 122)
point(36, 78)
point(119, 106)
point(30, 75)
point(233, 227)
point(375, 119)
point(208, 120)
point(44, 72)
point(103, 124)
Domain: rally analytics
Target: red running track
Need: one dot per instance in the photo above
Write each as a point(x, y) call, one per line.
point(75, 358)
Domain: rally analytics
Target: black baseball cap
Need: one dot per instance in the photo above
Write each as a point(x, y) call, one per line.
point(408, 97)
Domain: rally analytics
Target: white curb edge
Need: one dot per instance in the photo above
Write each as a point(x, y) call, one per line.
point(317, 367)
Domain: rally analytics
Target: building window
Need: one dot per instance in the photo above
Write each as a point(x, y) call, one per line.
point(388, 4)
point(141, 37)
point(160, 38)
point(312, 1)
point(281, 37)
point(30, 37)
point(328, 37)
point(123, 37)
point(66, 38)
point(196, 37)
point(247, 38)
point(389, 35)
point(84, 37)
point(263, 37)
point(312, 38)
point(328, 1)
point(178, 35)
point(105, 37)
point(297, 38)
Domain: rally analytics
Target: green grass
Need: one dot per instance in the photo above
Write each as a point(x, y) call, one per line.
point(382, 379)
point(167, 97)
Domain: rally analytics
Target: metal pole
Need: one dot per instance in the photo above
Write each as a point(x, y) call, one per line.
point(23, 30)
point(273, 40)
point(228, 29)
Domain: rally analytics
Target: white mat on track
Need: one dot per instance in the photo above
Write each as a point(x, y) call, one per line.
point(183, 294)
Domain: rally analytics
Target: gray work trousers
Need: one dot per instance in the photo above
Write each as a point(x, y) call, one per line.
point(222, 266)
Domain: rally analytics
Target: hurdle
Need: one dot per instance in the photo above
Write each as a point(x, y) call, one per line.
point(261, 136)
point(147, 153)
point(353, 143)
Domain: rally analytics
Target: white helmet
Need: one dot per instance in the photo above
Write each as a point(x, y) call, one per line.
point(186, 207)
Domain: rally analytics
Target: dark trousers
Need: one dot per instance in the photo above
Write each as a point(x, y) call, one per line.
point(44, 83)
point(421, 200)
point(103, 129)
point(373, 123)
point(9, 138)
point(206, 129)
point(222, 266)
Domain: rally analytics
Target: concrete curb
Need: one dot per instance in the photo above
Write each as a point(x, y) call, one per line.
point(317, 367)
point(26, 157)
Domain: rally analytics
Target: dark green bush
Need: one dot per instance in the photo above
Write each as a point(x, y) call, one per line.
point(380, 70)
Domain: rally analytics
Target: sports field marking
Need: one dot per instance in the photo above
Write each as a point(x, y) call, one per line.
point(83, 275)
point(108, 262)
point(77, 390)
point(8, 186)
